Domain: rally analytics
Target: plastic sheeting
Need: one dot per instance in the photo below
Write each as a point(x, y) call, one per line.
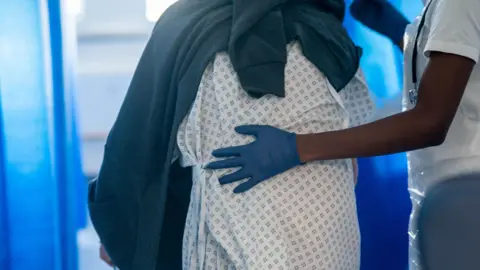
point(382, 192)
point(418, 192)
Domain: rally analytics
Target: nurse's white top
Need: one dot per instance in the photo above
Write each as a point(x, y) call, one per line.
point(451, 26)
point(304, 218)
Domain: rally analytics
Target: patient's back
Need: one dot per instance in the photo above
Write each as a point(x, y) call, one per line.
point(311, 105)
point(303, 218)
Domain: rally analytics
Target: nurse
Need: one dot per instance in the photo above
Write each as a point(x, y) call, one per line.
point(440, 124)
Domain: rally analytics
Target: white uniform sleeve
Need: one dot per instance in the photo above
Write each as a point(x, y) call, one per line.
point(455, 28)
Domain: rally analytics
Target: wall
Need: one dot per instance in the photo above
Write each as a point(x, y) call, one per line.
point(111, 37)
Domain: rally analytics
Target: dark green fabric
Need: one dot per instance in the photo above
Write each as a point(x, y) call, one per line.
point(139, 201)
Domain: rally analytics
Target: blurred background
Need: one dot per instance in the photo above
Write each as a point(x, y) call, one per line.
point(65, 66)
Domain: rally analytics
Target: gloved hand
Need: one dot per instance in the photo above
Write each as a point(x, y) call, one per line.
point(274, 151)
point(380, 16)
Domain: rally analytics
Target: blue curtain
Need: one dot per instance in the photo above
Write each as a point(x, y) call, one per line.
point(41, 186)
point(4, 239)
point(31, 183)
point(382, 196)
point(64, 59)
point(71, 182)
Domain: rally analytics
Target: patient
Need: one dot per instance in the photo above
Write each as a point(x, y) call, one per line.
point(304, 219)
point(210, 66)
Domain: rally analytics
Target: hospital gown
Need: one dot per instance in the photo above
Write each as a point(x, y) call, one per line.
point(304, 218)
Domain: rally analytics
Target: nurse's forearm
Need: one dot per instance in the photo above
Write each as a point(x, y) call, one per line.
point(440, 92)
point(399, 133)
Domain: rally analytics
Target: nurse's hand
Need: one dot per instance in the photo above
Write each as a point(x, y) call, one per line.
point(382, 17)
point(273, 152)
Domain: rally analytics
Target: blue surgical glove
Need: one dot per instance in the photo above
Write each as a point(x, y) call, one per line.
point(274, 151)
point(380, 16)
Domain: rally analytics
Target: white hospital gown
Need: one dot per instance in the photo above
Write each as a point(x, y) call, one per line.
point(304, 218)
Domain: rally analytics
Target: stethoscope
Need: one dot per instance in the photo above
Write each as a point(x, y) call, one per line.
point(413, 93)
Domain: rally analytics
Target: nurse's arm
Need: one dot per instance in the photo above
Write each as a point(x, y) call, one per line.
point(440, 92)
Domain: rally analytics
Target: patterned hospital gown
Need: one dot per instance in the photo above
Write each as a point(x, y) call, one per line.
point(304, 218)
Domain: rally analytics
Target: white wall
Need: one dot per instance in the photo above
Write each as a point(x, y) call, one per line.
point(111, 37)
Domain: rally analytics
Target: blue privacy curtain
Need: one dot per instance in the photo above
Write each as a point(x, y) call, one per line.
point(4, 239)
point(72, 183)
point(42, 190)
point(382, 196)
